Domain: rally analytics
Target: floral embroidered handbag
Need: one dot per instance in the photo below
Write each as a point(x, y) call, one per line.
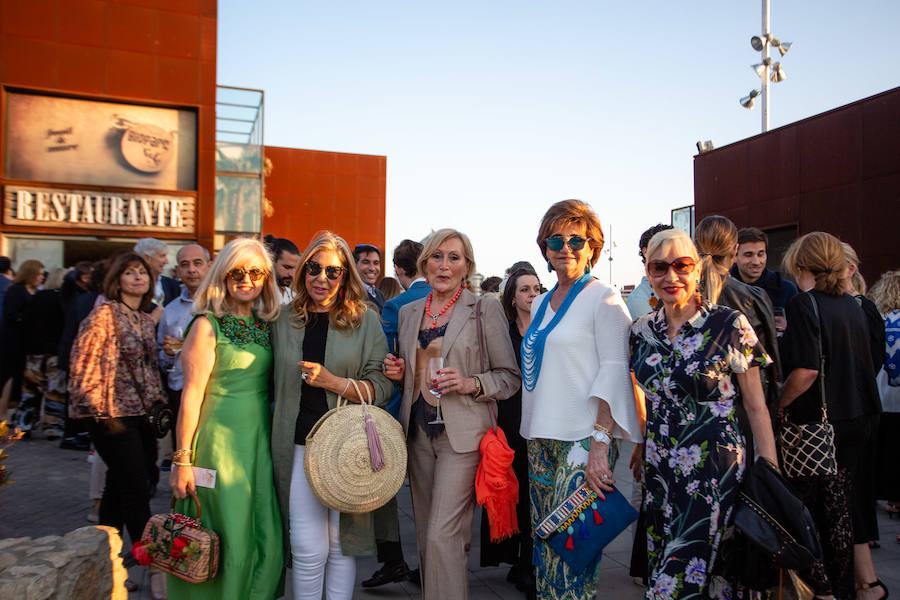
point(581, 527)
point(179, 545)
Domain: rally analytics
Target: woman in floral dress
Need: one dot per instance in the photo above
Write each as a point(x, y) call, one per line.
point(695, 361)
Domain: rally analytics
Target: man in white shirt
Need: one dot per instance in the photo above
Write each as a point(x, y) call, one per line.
point(286, 259)
point(638, 301)
point(191, 265)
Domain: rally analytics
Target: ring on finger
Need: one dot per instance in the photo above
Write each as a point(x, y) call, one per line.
point(304, 376)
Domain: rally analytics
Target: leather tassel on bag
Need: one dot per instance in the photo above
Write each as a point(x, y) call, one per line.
point(376, 453)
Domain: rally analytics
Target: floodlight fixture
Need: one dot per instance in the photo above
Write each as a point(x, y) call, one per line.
point(758, 42)
point(748, 100)
point(783, 47)
point(778, 73)
point(760, 68)
point(704, 147)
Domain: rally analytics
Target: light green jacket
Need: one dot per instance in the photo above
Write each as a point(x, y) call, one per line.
point(358, 354)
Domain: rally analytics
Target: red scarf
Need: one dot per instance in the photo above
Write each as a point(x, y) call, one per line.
point(496, 487)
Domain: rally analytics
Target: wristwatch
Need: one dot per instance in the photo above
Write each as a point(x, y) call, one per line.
point(600, 437)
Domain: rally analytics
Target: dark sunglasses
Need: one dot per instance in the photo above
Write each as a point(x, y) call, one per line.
point(682, 266)
point(238, 274)
point(555, 242)
point(332, 272)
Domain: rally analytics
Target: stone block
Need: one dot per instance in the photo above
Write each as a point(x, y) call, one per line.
point(82, 565)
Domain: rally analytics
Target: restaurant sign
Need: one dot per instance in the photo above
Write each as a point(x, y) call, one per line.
point(50, 207)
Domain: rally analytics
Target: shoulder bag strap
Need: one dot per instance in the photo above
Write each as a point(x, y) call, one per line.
point(821, 358)
point(479, 329)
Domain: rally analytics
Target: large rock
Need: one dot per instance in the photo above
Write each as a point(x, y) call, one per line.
point(82, 565)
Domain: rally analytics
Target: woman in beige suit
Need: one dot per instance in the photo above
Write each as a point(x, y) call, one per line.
point(443, 452)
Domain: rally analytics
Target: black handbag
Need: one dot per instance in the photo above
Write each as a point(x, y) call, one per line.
point(775, 520)
point(807, 450)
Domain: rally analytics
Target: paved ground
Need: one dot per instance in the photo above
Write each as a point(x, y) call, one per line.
point(50, 496)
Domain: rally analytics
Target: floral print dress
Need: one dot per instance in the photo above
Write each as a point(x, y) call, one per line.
point(694, 456)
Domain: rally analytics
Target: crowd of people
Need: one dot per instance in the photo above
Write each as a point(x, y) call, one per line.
point(698, 369)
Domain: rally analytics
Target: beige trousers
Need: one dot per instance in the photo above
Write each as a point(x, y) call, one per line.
point(442, 483)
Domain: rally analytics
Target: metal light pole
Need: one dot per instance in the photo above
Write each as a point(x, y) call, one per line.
point(766, 69)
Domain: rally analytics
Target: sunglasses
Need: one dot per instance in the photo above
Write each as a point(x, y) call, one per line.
point(238, 274)
point(332, 272)
point(555, 242)
point(682, 266)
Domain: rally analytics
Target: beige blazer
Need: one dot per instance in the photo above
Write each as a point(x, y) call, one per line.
point(467, 419)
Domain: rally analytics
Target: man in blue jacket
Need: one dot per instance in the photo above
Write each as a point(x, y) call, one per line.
point(387, 528)
point(750, 268)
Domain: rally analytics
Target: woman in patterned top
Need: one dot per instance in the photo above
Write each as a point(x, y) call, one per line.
point(694, 361)
point(113, 380)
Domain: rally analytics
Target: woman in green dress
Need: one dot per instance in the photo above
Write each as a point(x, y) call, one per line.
point(224, 425)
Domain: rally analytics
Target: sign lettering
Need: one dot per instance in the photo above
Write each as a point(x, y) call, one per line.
point(97, 210)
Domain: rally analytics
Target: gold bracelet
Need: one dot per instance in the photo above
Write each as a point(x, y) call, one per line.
point(478, 390)
point(599, 427)
point(183, 453)
point(182, 464)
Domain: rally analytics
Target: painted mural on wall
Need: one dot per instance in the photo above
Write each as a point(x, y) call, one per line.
point(66, 140)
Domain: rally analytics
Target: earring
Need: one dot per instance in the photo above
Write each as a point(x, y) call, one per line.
point(549, 267)
point(464, 284)
point(587, 269)
point(653, 301)
point(698, 299)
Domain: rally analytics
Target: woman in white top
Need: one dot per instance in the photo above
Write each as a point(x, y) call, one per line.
point(577, 392)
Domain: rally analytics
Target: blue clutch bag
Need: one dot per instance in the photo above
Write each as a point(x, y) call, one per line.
point(581, 527)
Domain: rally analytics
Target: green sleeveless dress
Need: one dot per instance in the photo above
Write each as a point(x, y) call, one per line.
point(233, 439)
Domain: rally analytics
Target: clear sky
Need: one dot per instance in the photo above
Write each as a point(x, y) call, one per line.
point(490, 111)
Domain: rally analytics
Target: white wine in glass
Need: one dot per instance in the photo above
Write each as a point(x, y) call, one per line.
point(435, 365)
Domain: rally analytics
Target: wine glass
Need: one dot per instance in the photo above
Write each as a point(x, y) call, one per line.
point(177, 332)
point(780, 320)
point(435, 365)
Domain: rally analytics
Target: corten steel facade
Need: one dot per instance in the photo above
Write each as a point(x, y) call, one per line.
point(837, 172)
point(152, 53)
point(312, 190)
point(162, 54)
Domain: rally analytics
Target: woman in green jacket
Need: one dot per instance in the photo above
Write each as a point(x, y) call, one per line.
point(323, 341)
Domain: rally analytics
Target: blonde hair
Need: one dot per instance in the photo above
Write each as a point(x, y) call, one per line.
point(54, 280)
point(857, 280)
point(821, 254)
point(439, 237)
point(212, 295)
point(716, 239)
point(674, 239)
point(347, 313)
point(565, 212)
point(886, 292)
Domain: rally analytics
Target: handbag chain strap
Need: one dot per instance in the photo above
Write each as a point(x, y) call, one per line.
point(478, 328)
point(821, 377)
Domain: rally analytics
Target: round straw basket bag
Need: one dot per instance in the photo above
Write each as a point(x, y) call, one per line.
point(355, 458)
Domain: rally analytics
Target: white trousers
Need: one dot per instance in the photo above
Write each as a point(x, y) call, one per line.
point(316, 544)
